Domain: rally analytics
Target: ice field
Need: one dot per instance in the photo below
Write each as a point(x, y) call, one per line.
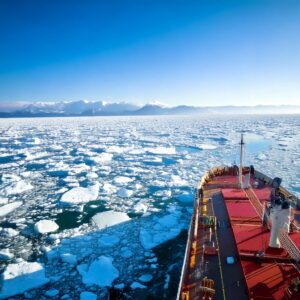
point(99, 205)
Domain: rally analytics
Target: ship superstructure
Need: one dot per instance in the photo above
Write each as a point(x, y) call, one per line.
point(243, 240)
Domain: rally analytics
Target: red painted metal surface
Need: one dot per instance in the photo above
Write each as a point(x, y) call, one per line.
point(234, 194)
point(268, 280)
point(267, 271)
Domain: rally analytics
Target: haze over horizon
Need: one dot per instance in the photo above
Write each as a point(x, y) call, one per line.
point(200, 53)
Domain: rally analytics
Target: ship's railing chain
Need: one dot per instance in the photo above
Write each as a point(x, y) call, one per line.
point(255, 202)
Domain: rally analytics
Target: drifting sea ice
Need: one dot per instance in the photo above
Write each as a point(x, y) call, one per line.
point(160, 159)
point(45, 226)
point(8, 208)
point(145, 278)
point(17, 188)
point(109, 218)
point(88, 296)
point(80, 195)
point(124, 193)
point(22, 276)
point(101, 272)
point(166, 228)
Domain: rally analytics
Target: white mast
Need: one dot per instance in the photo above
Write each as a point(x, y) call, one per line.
point(241, 162)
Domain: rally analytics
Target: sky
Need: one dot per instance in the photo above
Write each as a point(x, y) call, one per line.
point(203, 53)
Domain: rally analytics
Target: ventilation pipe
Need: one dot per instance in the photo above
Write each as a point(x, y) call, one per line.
point(281, 219)
point(241, 162)
point(247, 181)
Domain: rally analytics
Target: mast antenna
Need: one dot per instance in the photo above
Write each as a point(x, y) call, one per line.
point(241, 162)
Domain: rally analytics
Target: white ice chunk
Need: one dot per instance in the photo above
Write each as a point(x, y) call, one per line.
point(81, 195)
point(5, 254)
point(102, 158)
point(108, 188)
point(101, 272)
point(166, 228)
point(140, 208)
point(122, 179)
point(69, 258)
point(82, 269)
point(52, 293)
point(36, 141)
point(207, 147)
point(45, 226)
point(10, 178)
point(22, 276)
point(3, 201)
point(126, 253)
point(8, 208)
point(9, 232)
point(109, 218)
point(124, 193)
point(162, 150)
point(88, 296)
point(137, 285)
point(145, 278)
point(92, 175)
point(175, 180)
point(117, 149)
point(18, 187)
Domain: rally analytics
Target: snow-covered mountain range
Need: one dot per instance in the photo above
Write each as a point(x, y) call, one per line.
point(101, 108)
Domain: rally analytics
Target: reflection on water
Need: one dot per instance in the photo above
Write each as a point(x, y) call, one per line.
point(256, 143)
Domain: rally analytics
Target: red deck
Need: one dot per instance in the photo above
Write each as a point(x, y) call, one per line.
point(269, 278)
point(259, 272)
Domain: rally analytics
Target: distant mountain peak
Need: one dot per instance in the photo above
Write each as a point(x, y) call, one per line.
point(103, 108)
point(157, 103)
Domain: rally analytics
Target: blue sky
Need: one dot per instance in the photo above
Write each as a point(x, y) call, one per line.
point(177, 52)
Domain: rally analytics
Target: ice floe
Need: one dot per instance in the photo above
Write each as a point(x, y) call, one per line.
point(145, 278)
point(88, 296)
point(108, 188)
point(5, 254)
point(3, 201)
point(80, 195)
point(102, 158)
point(137, 285)
point(8, 232)
point(20, 277)
point(207, 146)
point(69, 258)
point(8, 208)
point(140, 208)
point(101, 272)
point(109, 218)
point(51, 293)
point(15, 188)
point(124, 193)
point(166, 228)
point(162, 150)
point(45, 226)
point(122, 180)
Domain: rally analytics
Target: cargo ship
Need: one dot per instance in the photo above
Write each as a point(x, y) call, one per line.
point(243, 240)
